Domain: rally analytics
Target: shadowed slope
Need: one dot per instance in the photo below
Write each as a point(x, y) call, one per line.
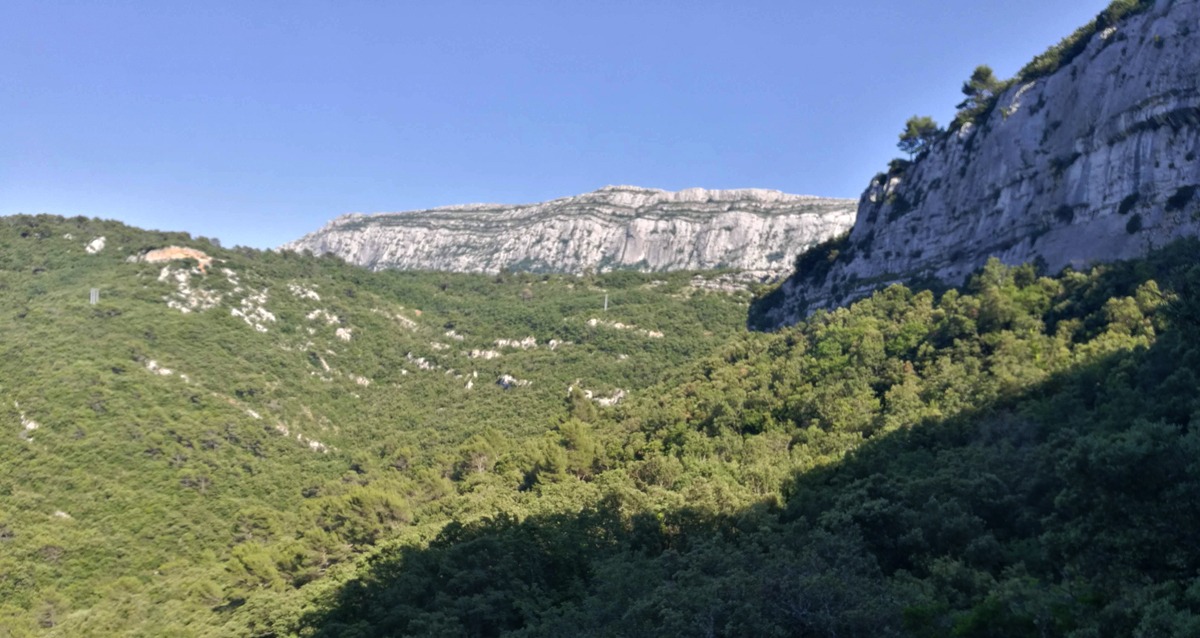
point(1030, 470)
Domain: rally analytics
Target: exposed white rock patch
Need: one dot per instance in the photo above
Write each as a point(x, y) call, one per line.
point(438, 346)
point(407, 323)
point(470, 384)
point(617, 325)
point(508, 381)
point(528, 343)
point(303, 293)
point(614, 227)
point(68, 236)
point(321, 314)
point(95, 246)
point(185, 298)
point(609, 401)
point(483, 354)
point(450, 334)
point(61, 514)
point(420, 362)
point(253, 311)
point(312, 444)
point(153, 366)
point(363, 381)
point(28, 425)
point(345, 334)
point(253, 415)
point(553, 344)
point(232, 278)
point(603, 401)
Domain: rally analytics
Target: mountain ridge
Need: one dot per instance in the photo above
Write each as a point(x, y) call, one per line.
point(615, 227)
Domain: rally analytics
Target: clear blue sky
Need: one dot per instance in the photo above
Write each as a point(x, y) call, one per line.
point(256, 122)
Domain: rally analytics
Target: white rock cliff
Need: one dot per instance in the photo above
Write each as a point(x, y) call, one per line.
point(1095, 162)
point(615, 227)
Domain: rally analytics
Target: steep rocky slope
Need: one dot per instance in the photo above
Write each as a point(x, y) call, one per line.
point(614, 227)
point(1094, 162)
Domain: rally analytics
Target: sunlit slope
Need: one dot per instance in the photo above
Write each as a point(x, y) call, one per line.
point(216, 400)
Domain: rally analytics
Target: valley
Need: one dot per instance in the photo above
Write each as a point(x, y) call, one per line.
point(967, 406)
point(337, 456)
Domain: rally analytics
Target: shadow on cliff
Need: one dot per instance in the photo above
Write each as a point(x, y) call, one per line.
point(810, 270)
point(1069, 506)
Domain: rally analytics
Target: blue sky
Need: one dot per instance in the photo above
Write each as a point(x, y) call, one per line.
point(256, 122)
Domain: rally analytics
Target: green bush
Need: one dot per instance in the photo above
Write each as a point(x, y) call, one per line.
point(815, 263)
point(1069, 48)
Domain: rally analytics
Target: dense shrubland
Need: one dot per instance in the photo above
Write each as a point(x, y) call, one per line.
point(159, 433)
point(1012, 458)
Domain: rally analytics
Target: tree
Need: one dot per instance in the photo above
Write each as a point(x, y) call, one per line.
point(981, 86)
point(919, 133)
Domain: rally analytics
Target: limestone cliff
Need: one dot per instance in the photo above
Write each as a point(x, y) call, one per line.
point(1096, 161)
point(615, 227)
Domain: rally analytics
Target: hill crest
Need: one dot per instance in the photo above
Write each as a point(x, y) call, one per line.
point(613, 228)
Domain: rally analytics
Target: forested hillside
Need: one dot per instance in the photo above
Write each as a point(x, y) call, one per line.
point(1013, 459)
point(312, 449)
point(236, 423)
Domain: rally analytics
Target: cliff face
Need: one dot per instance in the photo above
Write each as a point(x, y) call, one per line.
point(614, 227)
point(1095, 162)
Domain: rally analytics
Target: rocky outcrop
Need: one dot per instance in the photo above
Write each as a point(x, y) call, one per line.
point(173, 253)
point(1095, 162)
point(612, 228)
